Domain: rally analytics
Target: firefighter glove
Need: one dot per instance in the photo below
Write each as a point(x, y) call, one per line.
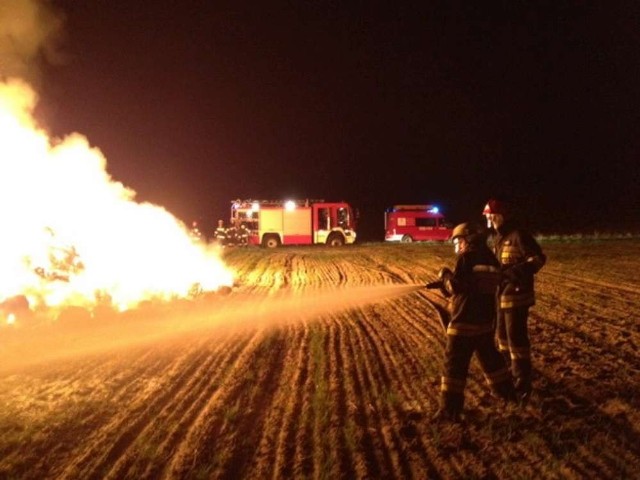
point(445, 274)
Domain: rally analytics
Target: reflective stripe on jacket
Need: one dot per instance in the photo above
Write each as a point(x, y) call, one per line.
point(474, 286)
point(521, 258)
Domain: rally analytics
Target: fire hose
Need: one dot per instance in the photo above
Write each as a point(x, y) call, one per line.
point(442, 312)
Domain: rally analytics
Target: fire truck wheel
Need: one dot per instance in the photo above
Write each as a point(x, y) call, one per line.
point(271, 241)
point(335, 240)
point(407, 239)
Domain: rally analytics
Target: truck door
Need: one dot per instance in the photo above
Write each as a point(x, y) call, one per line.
point(323, 222)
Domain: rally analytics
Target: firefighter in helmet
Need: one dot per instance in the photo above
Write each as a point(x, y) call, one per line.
point(232, 235)
point(220, 235)
point(195, 232)
point(520, 259)
point(243, 234)
point(471, 288)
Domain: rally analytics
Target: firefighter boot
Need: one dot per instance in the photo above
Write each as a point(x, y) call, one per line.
point(523, 390)
point(450, 408)
point(506, 392)
point(507, 358)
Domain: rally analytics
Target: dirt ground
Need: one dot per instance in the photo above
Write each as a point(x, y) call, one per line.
point(325, 363)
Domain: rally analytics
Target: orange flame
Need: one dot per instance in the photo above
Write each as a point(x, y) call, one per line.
point(71, 235)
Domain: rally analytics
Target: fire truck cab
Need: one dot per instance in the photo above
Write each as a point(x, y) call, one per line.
point(272, 223)
point(415, 223)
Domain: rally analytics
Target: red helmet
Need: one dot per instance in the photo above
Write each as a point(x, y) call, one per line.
point(497, 207)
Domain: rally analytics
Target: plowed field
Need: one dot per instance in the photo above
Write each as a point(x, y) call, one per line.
point(325, 363)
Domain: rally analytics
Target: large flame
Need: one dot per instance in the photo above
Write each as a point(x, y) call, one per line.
point(71, 235)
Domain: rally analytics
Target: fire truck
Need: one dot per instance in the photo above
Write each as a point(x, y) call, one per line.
point(272, 223)
point(415, 223)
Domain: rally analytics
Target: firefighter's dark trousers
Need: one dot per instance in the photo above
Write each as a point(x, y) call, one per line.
point(458, 355)
point(513, 343)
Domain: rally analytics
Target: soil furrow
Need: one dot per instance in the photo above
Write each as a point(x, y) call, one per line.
point(100, 460)
point(376, 385)
point(403, 392)
point(253, 407)
point(402, 359)
point(367, 463)
point(303, 437)
point(166, 431)
point(340, 418)
point(279, 440)
point(209, 418)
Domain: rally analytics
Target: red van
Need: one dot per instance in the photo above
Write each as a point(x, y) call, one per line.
point(415, 223)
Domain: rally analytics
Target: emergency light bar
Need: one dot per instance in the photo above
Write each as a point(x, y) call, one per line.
point(256, 204)
point(428, 208)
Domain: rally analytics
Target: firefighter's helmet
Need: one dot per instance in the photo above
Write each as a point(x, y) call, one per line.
point(496, 207)
point(463, 230)
point(471, 232)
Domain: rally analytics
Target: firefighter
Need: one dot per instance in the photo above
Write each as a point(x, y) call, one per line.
point(243, 235)
point(232, 235)
point(195, 232)
point(471, 288)
point(520, 258)
point(220, 235)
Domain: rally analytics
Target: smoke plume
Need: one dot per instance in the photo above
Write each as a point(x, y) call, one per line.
point(30, 34)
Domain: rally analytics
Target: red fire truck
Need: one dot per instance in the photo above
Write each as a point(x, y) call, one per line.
point(415, 223)
point(294, 222)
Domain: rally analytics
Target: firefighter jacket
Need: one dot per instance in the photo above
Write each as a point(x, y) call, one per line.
point(243, 233)
point(520, 258)
point(220, 233)
point(473, 286)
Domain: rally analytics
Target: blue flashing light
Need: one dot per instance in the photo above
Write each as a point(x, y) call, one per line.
point(433, 210)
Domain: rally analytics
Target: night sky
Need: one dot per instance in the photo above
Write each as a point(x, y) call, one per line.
point(195, 104)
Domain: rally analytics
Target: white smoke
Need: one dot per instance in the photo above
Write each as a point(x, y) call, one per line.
point(30, 33)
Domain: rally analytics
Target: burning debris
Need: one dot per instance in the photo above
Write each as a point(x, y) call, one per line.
point(72, 236)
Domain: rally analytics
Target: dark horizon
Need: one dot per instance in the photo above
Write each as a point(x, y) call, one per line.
point(422, 102)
